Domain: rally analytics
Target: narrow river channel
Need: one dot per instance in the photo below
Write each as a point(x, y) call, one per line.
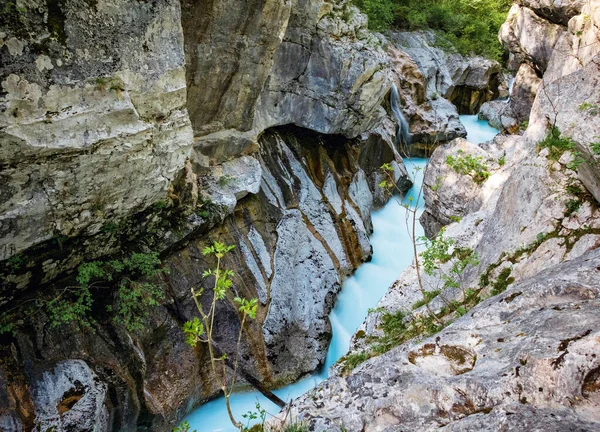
point(392, 253)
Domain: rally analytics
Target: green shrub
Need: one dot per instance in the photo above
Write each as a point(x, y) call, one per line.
point(503, 281)
point(429, 295)
point(464, 25)
point(556, 144)
point(472, 166)
point(380, 13)
point(131, 299)
point(184, 426)
point(595, 146)
point(354, 359)
point(590, 108)
point(392, 324)
point(572, 206)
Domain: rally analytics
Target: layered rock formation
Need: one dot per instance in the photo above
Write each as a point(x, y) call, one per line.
point(514, 341)
point(546, 39)
point(522, 359)
point(143, 127)
point(131, 126)
point(94, 126)
point(436, 85)
point(431, 119)
point(467, 82)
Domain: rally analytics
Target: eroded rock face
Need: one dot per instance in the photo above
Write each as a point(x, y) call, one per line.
point(466, 82)
point(509, 115)
point(139, 126)
point(529, 37)
point(93, 125)
point(229, 46)
point(329, 74)
point(305, 229)
point(449, 194)
point(302, 226)
point(525, 351)
point(314, 64)
point(432, 119)
point(503, 362)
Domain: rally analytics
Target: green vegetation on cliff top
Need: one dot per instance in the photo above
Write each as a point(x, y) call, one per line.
point(469, 26)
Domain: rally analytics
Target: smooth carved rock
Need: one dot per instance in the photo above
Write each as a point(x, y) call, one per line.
point(295, 329)
point(329, 73)
point(71, 398)
point(509, 115)
point(305, 229)
point(499, 115)
point(466, 82)
point(431, 118)
point(229, 47)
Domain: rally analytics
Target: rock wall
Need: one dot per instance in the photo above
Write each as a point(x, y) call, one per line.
point(512, 345)
point(314, 63)
point(467, 82)
point(521, 359)
point(134, 126)
point(549, 40)
point(93, 120)
point(435, 85)
point(301, 231)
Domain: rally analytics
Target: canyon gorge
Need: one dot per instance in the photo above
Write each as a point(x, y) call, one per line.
point(136, 128)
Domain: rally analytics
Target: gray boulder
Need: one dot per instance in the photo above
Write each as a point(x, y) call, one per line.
point(558, 12)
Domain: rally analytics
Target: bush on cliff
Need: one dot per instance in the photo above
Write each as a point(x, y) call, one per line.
point(469, 26)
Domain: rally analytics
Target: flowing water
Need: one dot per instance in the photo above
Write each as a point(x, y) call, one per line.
point(478, 131)
point(403, 134)
point(392, 253)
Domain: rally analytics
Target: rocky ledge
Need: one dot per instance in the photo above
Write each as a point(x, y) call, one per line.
point(525, 358)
